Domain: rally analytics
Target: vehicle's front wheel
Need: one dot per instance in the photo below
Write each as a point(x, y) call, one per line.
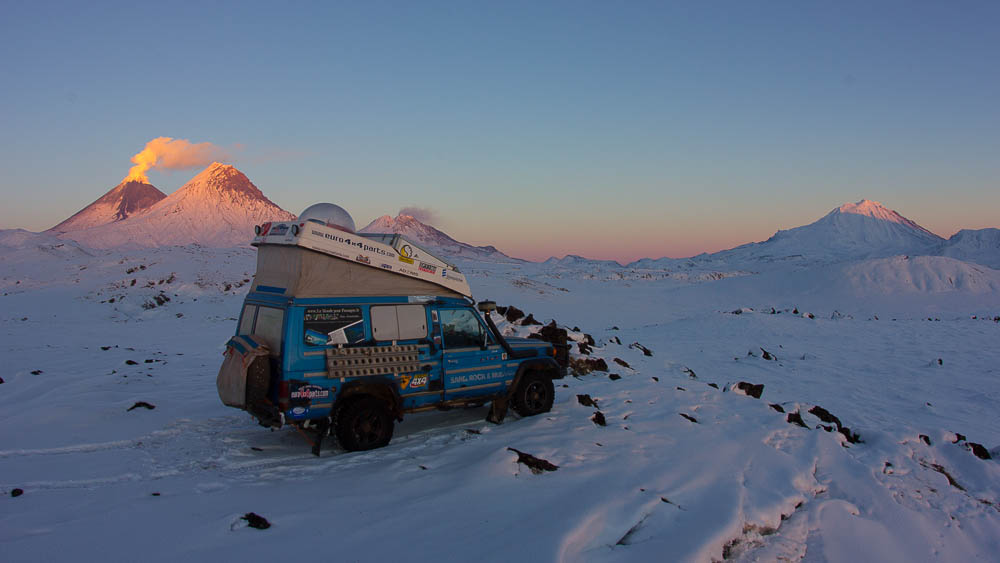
point(363, 424)
point(534, 394)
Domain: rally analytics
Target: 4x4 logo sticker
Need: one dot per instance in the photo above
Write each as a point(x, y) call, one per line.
point(413, 381)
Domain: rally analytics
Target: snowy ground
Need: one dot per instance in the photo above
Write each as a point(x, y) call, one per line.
point(893, 361)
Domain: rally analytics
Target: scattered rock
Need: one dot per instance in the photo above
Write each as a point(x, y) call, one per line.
point(777, 407)
point(552, 334)
point(256, 449)
point(142, 404)
point(472, 431)
point(529, 321)
point(614, 377)
point(613, 328)
point(622, 363)
point(751, 390)
point(105, 348)
point(852, 437)
point(131, 362)
point(256, 521)
point(656, 379)
point(795, 311)
point(616, 340)
point(958, 438)
point(584, 348)
point(767, 355)
point(37, 372)
point(1, 380)
point(16, 492)
point(583, 366)
point(598, 419)
point(586, 401)
point(637, 346)
point(979, 451)
point(155, 494)
point(925, 439)
point(825, 415)
point(512, 314)
point(690, 373)
point(940, 469)
point(940, 362)
point(736, 312)
point(680, 388)
point(589, 340)
point(424, 468)
point(149, 361)
point(713, 385)
point(796, 418)
point(536, 465)
point(689, 417)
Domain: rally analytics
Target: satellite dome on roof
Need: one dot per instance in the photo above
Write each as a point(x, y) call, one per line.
point(329, 214)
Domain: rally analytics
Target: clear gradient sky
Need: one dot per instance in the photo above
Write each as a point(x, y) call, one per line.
point(606, 129)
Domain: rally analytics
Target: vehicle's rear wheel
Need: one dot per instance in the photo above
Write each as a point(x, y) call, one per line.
point(363, 424)
point(534, 394)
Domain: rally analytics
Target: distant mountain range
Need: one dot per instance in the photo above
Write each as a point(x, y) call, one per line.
point(219, 207)
point(425, 235)
point(854, 231)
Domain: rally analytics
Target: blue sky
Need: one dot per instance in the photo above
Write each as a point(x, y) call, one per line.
point(676, 129)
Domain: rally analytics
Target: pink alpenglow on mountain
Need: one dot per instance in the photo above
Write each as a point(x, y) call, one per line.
point(125, 200)
point(426, 235)
point(218, 208)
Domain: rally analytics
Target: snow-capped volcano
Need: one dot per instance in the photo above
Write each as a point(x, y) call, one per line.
point(128, 198)
point(426, 235)
point(219, 207)
point(865, 229)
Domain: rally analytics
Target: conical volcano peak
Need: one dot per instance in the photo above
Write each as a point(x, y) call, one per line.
point(130, 197)
point(871, 209)
point(875, 210)
point(220, 178)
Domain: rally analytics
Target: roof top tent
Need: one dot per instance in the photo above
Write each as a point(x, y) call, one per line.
point(311, 257)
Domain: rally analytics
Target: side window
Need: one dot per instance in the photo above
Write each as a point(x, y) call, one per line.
point(461, 328)
point(246, 321)
point(399, 322)
point(332, 325)
point(268, 327)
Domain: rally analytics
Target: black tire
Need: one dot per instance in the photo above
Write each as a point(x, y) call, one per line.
point(534, 394)
point(363, 424)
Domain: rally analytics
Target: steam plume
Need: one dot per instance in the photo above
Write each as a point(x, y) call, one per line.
point(422, 214)
point(167, 153)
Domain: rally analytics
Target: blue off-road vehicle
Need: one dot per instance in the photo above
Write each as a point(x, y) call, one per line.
point(344, 333)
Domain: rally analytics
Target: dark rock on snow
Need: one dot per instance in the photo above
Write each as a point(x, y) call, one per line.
point(622, 363)
point(979, 450)
point(598, 419)
point(614, 377)
point(529, 321)
point(796, 418)
point(586, 401)
point(777, 407)
point(535, 464)
point(141, 404)
point(689, 417)
point(512, 314)
point(752, 390)
point(256, 521)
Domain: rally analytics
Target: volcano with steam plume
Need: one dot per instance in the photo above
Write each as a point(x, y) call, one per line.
point(219, 208)
point(131, 197)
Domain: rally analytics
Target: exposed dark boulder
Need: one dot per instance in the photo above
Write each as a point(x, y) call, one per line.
point(689, 417)
point(777, 407)
point(535, 464)
point(584, 348)
point(598, 419)
point(586, 401)
point(529, 321)
point(583, 366)
point(796, 418)
point(256, 521)
point(825, 415)
point(622, 363)
point(513, 313)
point(637, 346)
point(925, 439)
point(614, 377)
point(141, 404)
point(979, 450)
point(751, 389)
point(767, 355)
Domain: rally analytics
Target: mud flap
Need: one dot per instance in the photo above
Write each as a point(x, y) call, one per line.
point(498, 410)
